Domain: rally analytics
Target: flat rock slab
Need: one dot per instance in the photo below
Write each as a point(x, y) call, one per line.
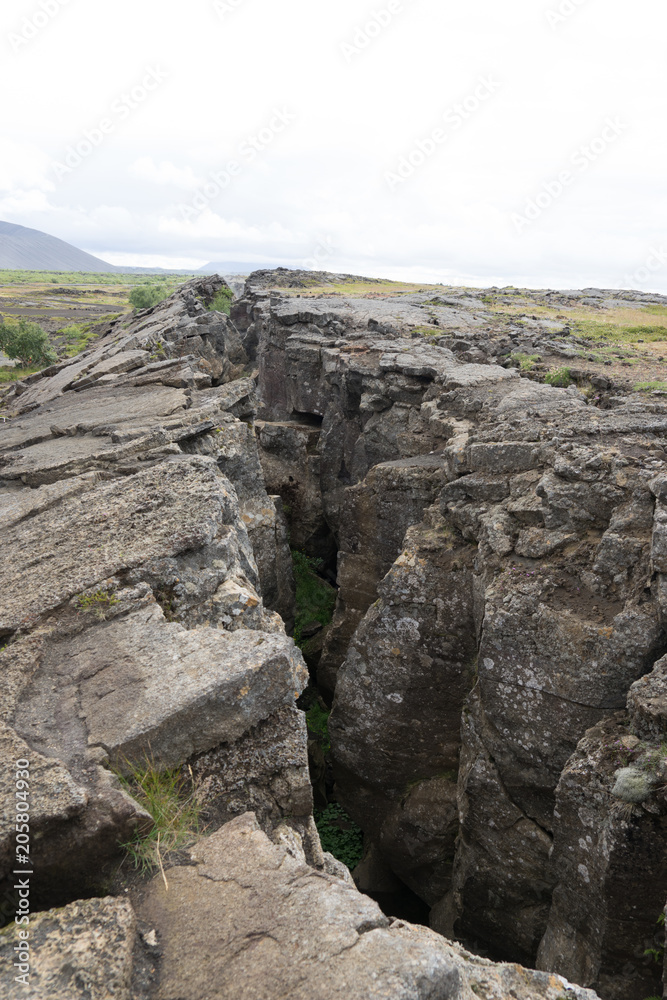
point(140, 687)
point(81, 952)
point(88, 536)
point(271, 927)
point(94, 408)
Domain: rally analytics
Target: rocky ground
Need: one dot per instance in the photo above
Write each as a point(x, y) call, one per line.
point(483, 473)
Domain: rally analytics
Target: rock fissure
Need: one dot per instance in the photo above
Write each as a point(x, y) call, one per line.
point(490, 552)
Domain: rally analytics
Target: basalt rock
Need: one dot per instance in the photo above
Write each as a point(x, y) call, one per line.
point(555, 609)
point(247, 916)
point(501, 561)
point(144, 565)
point(610, 858)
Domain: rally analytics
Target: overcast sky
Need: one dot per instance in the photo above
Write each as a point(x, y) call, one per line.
point(477, 143)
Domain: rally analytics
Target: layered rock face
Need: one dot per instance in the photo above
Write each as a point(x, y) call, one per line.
point(144, 565)
point(146, 582)
point(501, 566)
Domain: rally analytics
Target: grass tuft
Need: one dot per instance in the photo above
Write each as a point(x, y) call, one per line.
point(559, 377)
point(175, 808)
point(98, 603)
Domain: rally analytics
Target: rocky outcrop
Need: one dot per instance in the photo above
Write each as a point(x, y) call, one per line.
point(140, 547)
point(500, 554)
point(610, 859)
point(83, 950)
point(248, 916)
point(514, 619)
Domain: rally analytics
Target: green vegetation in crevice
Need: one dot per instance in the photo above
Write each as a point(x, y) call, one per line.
point(315, 598)
point(339, 834)
point(174, 807)
point(317, 720)
point(222, 302)
point(98, 603)
point(526, 362)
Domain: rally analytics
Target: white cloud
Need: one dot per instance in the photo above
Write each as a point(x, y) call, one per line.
point(152, 260)
point(164, 172)
point(23, 165)
point(323, 177)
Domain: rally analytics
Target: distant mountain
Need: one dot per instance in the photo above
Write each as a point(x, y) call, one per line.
point(234, 267)
point(31, 250)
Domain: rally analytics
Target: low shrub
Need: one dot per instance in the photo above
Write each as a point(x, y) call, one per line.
point(222, 301)
point(559, 377)
point(146, 296)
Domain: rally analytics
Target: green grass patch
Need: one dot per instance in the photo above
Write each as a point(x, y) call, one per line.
point(315, 598)
point(99, 603)
point(339, 834)
point(9, 374)
point(526, 362)
point(655, 386)
point(77, 337)
point(174, 807)
point(597, 332)
point(76, 278)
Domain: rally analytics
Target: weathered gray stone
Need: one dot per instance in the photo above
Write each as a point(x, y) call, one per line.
point(146, 688)
point(148, 525)
point(80, 952)
point(647, 703)
point(375, 517)
point(264, 772)
point(274, 927)
point(610, 858)
point(53, 795)
point(396, 716)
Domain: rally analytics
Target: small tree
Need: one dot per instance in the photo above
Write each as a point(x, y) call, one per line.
point(145, 296)
point(28, 343)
